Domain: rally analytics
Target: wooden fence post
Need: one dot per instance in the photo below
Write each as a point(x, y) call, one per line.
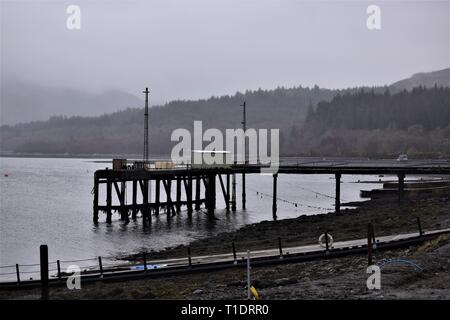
point(44, 271)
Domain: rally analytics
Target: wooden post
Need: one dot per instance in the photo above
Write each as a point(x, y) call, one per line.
point(145, 204)
point(44, 271)
point(119, 196)
point(205, 184)
point(213, 186)
point(58, 265)
point(178, 199)
point(149, 201)
point(338, 193)
point(189, 257)
point(420, 226)
point(207, 195)
point(227, 203)
point(171, 208)
point(226, 197)
point(100, 266)
point(123, 210)
point(210, 193)
point(248, 276)
point(189, 195)
point(274, 197)
point(233, 193)
point(369, 244)
point(95, 218)
point(108, 201)
point(234, 252)
point(134, 211)
point(374, 242)
point(280, 248)
point(157, 195)
point(145, 260)
point(168, 188)
point(17, 273)
point(197, 193)
point(327, 245)
point(401, 186)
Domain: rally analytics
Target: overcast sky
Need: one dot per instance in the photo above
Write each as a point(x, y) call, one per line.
point(198, 48)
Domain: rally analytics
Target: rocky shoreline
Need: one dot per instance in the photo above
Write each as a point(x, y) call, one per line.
point(387, 215)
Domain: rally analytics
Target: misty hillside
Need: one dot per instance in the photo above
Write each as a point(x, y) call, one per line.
point(440, 78)
point(122, 132)
point(369, 124)
point(24, 102)
point(284, 108)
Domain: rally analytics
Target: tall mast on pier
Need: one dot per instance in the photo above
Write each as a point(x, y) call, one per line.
point(146, 126)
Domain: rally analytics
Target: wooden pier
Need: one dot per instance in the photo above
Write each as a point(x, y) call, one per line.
point(155, 187)
point(186, 184)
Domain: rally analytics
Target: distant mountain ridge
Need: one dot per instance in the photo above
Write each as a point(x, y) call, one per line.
point(121, 132)
point(23, 102)
point(440, 78)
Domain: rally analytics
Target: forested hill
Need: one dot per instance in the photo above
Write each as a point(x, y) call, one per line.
point(429, 108)
point(440, 78)
point(367, 123)
point(122, 132)
point(352, 122)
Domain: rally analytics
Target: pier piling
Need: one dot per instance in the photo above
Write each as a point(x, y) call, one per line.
point(233, 193)
point(197, 193)
point(95, 218)
point(227, 202)
point(157, 195)
point(178, 195)
point(108, 201)
point(134, 200)
point(338, 193)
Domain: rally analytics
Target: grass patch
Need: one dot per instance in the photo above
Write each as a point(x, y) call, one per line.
point(434, 244)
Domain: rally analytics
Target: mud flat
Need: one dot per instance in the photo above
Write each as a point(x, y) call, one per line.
point(387, 215)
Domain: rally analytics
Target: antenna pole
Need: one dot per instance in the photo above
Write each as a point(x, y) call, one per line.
point(244, 127)
point(146, 127)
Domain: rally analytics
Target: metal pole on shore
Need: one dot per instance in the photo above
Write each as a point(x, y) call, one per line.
point(244, 127)
point(146, 127)
point(248, 275)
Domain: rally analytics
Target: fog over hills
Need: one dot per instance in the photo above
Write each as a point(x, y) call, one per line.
point(426, 79)
point(122, 132)
point(23, 101)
